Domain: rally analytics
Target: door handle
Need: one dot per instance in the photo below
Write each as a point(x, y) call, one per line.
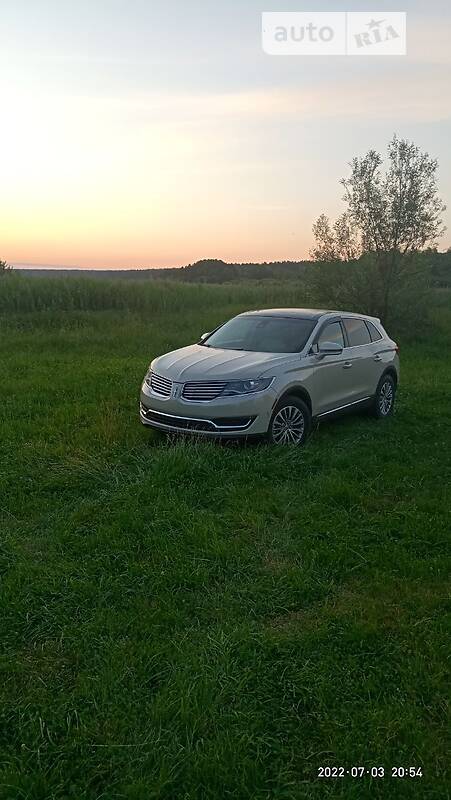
point(377, 358)
point(347, 365)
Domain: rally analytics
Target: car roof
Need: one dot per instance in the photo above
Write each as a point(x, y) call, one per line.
point(353, 314)
point(302, 313)
point(305, 313)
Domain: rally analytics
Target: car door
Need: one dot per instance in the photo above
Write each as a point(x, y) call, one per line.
point(331, 380)
point(378, 353)
point(363, 369)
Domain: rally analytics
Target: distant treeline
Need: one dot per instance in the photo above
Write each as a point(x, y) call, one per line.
point(205, 271)
point(217, 271)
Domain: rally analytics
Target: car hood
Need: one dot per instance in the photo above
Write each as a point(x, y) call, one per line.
point(199, 363)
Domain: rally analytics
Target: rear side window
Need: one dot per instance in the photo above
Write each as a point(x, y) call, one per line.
point(332, 333)
point(357, 332)
point(374, 333)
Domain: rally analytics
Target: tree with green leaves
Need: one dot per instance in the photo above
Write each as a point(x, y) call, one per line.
point(337, 242)
point(393, 212)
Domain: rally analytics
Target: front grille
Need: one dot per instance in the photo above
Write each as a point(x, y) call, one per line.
point(160, 385)
point(205, 390)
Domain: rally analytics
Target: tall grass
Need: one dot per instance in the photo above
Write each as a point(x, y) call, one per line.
point(21, 294)
point(52, 303)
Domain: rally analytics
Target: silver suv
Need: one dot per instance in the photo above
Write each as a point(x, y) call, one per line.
point(271, 372)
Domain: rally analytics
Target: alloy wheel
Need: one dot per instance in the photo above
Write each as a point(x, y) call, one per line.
point(288, 426)
point(386, 396)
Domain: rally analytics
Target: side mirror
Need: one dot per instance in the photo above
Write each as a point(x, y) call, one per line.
point(329, 349)
point(204, 336)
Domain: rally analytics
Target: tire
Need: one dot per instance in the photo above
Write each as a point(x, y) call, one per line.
point(384, 399)
point(290, 422)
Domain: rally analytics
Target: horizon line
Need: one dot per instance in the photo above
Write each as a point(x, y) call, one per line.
point(49, 267)
point(26, 265)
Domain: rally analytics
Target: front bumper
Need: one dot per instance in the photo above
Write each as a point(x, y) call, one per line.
point(246, 415)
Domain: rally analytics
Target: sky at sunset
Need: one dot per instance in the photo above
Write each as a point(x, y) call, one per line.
point(140, 133)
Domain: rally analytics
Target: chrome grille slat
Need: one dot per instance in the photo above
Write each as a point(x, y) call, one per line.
point(218, 424)
point(160, 385)
point(203, 390)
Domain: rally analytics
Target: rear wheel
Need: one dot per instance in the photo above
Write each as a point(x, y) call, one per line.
point(384, 399)
point(290, 422)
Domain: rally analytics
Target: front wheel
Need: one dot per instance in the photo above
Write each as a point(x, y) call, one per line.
point(384, 399)
point(290, 422)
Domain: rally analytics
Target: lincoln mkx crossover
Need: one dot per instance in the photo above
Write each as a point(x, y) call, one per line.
point(270, 373)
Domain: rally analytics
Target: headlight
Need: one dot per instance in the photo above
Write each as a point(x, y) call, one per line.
point(246, 387)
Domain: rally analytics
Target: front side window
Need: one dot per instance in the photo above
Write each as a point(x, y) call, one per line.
point(357, 332)
point(262, 334)
point(332, 333)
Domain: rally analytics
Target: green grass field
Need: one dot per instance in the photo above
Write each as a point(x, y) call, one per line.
point(200, 621)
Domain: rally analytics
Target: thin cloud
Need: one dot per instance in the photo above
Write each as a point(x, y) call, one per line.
point(419, 100)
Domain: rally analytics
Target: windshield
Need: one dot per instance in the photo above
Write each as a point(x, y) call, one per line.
point(261, 334)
